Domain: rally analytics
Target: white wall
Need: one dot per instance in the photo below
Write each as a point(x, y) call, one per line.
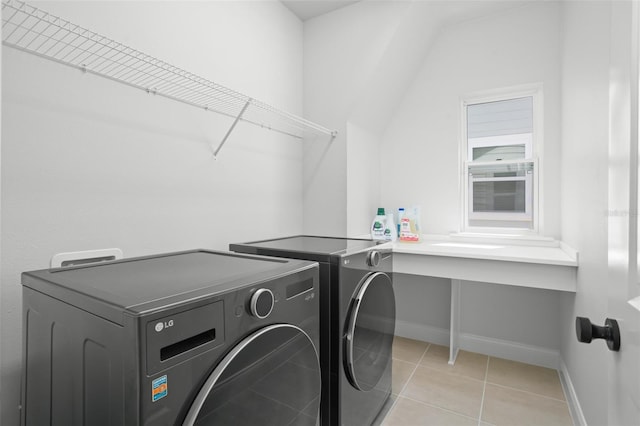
point(88, 163)
point(420, 156)
point(421, 145)
point(527, 316)
point(510, 322)
point(359, 62)
point(585, 134)
point(363, 178)
point(423, 306)
point(342, 52)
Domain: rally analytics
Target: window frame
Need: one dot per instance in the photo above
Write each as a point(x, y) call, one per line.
point(503, 140)
point(533, 154)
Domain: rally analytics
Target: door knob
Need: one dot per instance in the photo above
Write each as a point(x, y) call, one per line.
point(610, 332)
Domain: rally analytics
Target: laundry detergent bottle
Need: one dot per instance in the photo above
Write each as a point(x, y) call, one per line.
point(400, 215)
point(390, 230)
point(410, 225)
point(378, 226)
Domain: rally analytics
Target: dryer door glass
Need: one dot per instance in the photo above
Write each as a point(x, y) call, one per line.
point(272, 377)
point(370, 327)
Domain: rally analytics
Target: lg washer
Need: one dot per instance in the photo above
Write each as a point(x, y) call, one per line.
point(189, 338)
point(357, 321)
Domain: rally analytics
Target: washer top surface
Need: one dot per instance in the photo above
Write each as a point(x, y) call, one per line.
point(156, 281)
point(307, 247)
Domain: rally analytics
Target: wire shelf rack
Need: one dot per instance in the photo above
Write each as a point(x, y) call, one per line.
point(35, 31)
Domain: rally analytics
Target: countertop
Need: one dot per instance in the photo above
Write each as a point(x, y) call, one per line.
point(547, 252)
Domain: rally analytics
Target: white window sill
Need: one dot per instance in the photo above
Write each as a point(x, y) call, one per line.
point(519, 238)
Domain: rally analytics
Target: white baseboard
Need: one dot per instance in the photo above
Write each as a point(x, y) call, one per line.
point(572, 398)
point(514, 351)
point(425, 333)
point(484, 345)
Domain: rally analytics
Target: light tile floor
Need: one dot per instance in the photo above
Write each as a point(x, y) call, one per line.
point(478, 390)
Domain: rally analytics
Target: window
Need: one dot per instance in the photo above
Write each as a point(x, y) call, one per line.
point(499, 162)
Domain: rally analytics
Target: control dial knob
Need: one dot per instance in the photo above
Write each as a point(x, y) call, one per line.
point(373, 258)
point(261, 303)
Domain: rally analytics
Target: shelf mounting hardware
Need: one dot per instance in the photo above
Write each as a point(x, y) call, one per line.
point(233, 125)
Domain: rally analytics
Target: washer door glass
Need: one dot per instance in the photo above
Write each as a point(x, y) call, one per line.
point(272, 377)
point(370, 324)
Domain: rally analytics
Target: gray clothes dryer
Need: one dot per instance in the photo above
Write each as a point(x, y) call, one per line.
point(357, 321)
point(189, 338)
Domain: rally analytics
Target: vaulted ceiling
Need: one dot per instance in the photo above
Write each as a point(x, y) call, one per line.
point(307, 9)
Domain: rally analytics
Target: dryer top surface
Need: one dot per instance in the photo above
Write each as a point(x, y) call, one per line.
point(306, 247)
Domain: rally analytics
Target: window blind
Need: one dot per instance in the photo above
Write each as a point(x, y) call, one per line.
point(508, 117)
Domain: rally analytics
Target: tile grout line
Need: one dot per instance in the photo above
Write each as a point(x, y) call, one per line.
point(438, 407)
point(409, 379)
point(462, 376)
point(527, 392)
point(485, 383)
point(484, 389)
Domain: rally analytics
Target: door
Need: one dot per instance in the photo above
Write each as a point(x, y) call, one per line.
point(272, 377)
point(624, 290)
point(370, 326)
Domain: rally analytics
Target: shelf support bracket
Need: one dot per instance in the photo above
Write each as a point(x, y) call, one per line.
point(233, 125)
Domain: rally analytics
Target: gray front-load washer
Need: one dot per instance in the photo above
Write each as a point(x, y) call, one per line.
point(197, 337)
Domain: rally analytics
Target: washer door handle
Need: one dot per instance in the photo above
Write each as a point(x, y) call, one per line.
point(379, 319)
point(237, 360)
